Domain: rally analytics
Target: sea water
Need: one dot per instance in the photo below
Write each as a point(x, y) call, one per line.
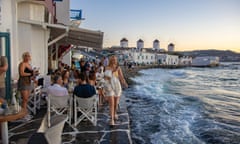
point(186, 106)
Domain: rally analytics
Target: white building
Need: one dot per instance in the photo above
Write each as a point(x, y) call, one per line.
point(166, 59)
point(31, 28)
point(141, 57)
point(205, 61)
point(124, 43)
point(27, 24)
point(185, 61)
point(171, 47)
point(63, 12)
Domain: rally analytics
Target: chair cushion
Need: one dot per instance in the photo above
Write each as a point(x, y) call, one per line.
point(37, 138)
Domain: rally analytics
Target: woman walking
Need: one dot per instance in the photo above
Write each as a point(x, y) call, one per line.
point(116, 81)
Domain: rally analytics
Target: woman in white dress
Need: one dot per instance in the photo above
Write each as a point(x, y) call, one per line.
point(116, 78)
point(109, 93)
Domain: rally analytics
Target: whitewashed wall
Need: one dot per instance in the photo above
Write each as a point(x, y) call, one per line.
point(5, 15)
point(31, 38)
point(39, 48)
point(166, 59)
point(62, 12)
point(141, 57)
point(185, 60)
point(161, 58)
point(67, 58)
point(172, 60)
point(8, 24)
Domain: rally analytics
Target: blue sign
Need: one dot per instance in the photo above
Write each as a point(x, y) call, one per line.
point(76, 14)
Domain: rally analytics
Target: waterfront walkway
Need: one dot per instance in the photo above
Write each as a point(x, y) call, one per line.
point(85, 133)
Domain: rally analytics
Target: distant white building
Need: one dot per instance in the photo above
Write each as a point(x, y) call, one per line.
point(171, 47)
point(139, 57)
point(172, 59)
point(185, 61)
point(124, 43)
point(166, 59)
point(161, 58)
point(143, 57)
point(140, 44)
point(205, 61)
point(156, 44)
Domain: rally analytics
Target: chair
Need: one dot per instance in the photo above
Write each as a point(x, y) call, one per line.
point(49, 135)
point(46, 84)
point(88, 109)
point(34, 100)
point(59, 105)
point(46, 81)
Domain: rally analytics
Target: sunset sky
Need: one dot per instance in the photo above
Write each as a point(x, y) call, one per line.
point(189, 24)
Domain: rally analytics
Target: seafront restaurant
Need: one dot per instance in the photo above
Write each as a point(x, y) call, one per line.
point(48, 29)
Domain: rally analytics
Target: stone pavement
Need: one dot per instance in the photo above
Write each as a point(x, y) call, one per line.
point(84, 133)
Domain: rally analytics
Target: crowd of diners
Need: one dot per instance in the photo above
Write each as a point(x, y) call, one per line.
point(102, 77)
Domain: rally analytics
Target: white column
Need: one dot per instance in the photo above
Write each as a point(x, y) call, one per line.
point(4, 130)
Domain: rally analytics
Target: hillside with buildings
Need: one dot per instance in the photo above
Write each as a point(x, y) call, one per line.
point(224, 55)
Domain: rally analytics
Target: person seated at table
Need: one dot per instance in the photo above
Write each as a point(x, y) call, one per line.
point(65, 78)
point(57, 89)
point(92, 78)
point(84, 90)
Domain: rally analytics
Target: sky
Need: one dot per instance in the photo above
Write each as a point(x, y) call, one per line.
point(188, 24)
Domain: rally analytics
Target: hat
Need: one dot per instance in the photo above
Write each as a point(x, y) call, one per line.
point(108, 73)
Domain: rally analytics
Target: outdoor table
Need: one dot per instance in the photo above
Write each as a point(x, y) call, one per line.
point(4, 123)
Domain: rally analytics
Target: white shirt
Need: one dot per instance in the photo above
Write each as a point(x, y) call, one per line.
point(105, 62)
point(57, 90)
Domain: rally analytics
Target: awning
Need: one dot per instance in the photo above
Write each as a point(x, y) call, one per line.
point(78, 37)
point(67, 35)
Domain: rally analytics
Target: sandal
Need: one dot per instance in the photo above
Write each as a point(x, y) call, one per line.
point(111, 123)
point(115, 117)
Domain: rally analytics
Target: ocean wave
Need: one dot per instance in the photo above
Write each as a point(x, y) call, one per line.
point(190, 105)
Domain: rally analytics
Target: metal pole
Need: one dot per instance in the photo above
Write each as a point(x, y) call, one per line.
point(8, 73)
